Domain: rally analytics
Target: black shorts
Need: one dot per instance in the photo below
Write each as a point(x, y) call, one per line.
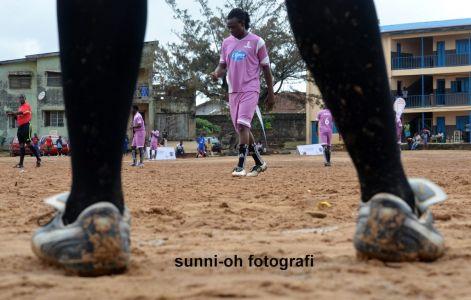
point(24, 133)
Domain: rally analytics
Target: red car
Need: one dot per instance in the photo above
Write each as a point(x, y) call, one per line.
point(15, 148)
point(48, 151)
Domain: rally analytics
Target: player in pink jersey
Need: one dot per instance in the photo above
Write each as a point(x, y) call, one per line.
point(326, 126)
point(154, 144)
point(139, 138)
point(243, 55)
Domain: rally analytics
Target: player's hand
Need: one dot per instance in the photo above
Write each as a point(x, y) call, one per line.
point(214, 76)
point(270, 101)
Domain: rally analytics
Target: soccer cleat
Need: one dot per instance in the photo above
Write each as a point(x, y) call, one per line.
point(239, 172)
point(97, 243)
point(388, 230)
point(140, 165)
point(133, 164)
point(327, 164)
point(18, 166)
point(38, 163)
point(257, 169)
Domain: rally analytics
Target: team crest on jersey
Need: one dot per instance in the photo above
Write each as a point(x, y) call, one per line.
point(238, 55)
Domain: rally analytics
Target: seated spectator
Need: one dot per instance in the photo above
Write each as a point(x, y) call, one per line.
point(180, 151)
point(416, 141)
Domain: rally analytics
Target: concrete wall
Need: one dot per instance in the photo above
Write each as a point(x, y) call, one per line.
point(285, 128)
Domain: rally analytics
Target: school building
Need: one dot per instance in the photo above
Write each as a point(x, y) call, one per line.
point(432, 62)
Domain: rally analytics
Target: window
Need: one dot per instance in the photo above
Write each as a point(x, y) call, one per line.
point(54, 118)
point(20, 81)
point(462, 46)
point(54, 79)
point(12, 122)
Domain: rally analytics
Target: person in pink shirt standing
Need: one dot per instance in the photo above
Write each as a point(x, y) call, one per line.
point(154, 144)
point(139, 137)
point(243, 55)
point(326, 127)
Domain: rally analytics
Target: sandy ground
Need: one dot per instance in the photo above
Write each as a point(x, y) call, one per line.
point(193, 208)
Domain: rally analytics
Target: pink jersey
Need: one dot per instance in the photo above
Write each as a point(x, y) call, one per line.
point(243, 59)
point(325, 121)
point(138, 120)
point(154, 137)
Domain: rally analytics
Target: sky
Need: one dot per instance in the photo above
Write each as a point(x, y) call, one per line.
point(30, 26)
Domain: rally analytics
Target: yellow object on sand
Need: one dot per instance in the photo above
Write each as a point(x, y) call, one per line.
point(323, 205)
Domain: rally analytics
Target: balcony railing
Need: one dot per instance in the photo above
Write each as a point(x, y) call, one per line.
point(430, 61)
point(438, 100)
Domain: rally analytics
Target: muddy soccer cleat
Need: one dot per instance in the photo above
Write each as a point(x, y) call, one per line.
point(97, 243)
point(239, 172)
point(388, 230)
point(257, 169)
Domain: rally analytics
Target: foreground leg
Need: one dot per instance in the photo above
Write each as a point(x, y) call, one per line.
point(340, 43)
point(101, 44)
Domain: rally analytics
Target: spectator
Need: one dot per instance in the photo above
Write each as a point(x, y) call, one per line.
point(48, 145)
point(405, 92)
point(259, 147)
point(201, 149)
point(209, 147)
point(59, 146)
point(426, 137)
point(35, 142)
point(180, 151)
point(407, 130)
point(415, 141)
point(440, 137)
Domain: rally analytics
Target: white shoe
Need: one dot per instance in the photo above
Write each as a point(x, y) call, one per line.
point(257, 170)
point(239, 172)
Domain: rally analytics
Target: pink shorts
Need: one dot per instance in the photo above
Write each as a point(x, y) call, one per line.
point(139, 139)
point(154, 144)
point(242, 107)
point(326, 138)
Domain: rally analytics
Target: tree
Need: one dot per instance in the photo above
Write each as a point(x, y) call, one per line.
point(188, 62)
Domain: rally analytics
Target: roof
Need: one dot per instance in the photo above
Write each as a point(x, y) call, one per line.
point(35, 57)
point(427, 26)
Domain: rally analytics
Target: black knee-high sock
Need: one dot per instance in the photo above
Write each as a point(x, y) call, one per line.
point(327, 153)
point(134, 155)
point(255, 155)
point(22, 154)
point(340, 43)
point(100, 44)
point(243, 151)
point(141, 155)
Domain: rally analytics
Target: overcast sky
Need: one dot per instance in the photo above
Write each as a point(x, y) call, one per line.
point(30, 26)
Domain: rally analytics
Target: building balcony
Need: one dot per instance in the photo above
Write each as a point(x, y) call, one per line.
point(430, 61)
point(438, 100)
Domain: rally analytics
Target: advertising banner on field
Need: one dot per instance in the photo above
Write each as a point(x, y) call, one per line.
point(311, 150)
point(163, 153)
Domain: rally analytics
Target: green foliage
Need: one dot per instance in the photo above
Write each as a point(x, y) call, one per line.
point(189, 62)
point(203, 125)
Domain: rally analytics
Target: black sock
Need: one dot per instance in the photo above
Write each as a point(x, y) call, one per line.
point(255, 155)
point(340, 43)
point(327, 153)
point(22, 155)
point(134, 155)
point(243, 151)
point(100, 45)
point(141, 155)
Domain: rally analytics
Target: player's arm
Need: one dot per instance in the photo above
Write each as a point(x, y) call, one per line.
point(219, 72)
point(270, 102)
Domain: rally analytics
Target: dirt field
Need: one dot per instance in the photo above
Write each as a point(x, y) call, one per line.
point(193, 208)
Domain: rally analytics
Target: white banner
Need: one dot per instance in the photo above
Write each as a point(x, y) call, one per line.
point(163, 153)
point(311, 150)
